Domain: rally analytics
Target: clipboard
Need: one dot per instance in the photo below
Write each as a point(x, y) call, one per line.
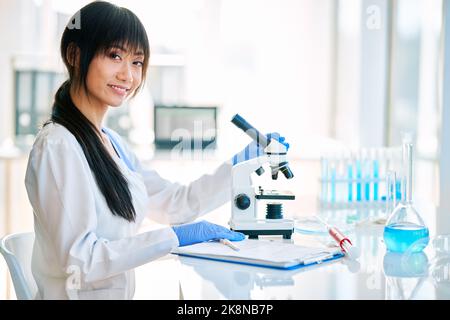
point(262, 253)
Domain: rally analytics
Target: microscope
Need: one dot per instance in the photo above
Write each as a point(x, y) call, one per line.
point(244, 217)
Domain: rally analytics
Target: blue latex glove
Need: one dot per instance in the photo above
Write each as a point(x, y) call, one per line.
point(204, 231)
point(254, 149)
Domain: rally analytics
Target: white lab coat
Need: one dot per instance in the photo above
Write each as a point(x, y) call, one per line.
point(83, 251)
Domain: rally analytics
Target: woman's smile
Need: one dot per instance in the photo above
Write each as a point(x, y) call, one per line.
point(119, 90)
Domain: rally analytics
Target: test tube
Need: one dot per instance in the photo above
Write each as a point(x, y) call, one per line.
point(391, 191)
point(389, 154)
point(366, 173)
point(383, 167)
point(333, 182)
point(341, 177)
point(358, 177)
point(324, 180)
point(376, 171)
point(350, 164)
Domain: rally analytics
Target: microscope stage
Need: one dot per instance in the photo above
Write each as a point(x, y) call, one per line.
point(274, 195)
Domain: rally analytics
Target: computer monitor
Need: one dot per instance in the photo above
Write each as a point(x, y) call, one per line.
point(185, 126)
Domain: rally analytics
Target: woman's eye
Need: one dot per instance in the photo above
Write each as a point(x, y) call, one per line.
point(139, 63)
point(114, 56)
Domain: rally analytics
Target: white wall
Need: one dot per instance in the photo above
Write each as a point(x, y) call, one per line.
point(267, 60)
point(277, 68)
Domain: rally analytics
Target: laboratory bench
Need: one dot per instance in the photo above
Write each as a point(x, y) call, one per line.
point(377, 274)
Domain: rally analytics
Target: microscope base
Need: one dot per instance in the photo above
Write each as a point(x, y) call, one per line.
point(263, 227)
point(253, 234)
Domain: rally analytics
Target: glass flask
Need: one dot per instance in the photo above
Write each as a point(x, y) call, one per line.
point(405, 231)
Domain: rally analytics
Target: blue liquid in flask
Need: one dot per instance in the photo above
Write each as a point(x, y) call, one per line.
point(405, 236)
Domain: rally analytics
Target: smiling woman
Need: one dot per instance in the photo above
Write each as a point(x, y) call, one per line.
point(88, 191)
point(107, 58)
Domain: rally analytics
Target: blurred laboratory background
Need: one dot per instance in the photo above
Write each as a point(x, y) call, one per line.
point(347, 82)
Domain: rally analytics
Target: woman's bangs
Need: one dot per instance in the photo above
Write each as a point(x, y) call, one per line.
point(127, 33)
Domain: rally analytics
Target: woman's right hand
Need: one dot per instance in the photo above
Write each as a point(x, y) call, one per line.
point(204, 231)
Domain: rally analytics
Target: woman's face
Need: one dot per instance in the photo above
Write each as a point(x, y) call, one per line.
point(114, 76)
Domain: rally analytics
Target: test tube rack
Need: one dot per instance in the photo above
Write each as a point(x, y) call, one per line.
point(357, 178)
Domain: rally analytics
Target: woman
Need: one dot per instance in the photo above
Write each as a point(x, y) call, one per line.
point(88, 191)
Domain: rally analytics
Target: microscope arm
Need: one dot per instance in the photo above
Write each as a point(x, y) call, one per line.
point(242, 171)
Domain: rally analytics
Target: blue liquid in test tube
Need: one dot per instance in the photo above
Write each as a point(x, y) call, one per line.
point(367, 186)
point(358, 183)
point(350, 182)
point(399, 191)
point(366, 172)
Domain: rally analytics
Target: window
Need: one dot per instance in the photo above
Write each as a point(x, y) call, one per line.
point(414, 88)
point(414, 76)
point(34, 94)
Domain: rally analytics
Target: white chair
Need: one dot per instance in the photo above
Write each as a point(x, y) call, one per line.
point(17, 250)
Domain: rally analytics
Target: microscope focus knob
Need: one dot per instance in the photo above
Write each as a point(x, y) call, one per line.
point(242, 201)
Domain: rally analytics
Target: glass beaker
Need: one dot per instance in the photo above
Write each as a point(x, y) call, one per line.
point(405, 230)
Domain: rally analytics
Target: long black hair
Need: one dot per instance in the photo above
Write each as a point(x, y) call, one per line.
point(93, 30)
